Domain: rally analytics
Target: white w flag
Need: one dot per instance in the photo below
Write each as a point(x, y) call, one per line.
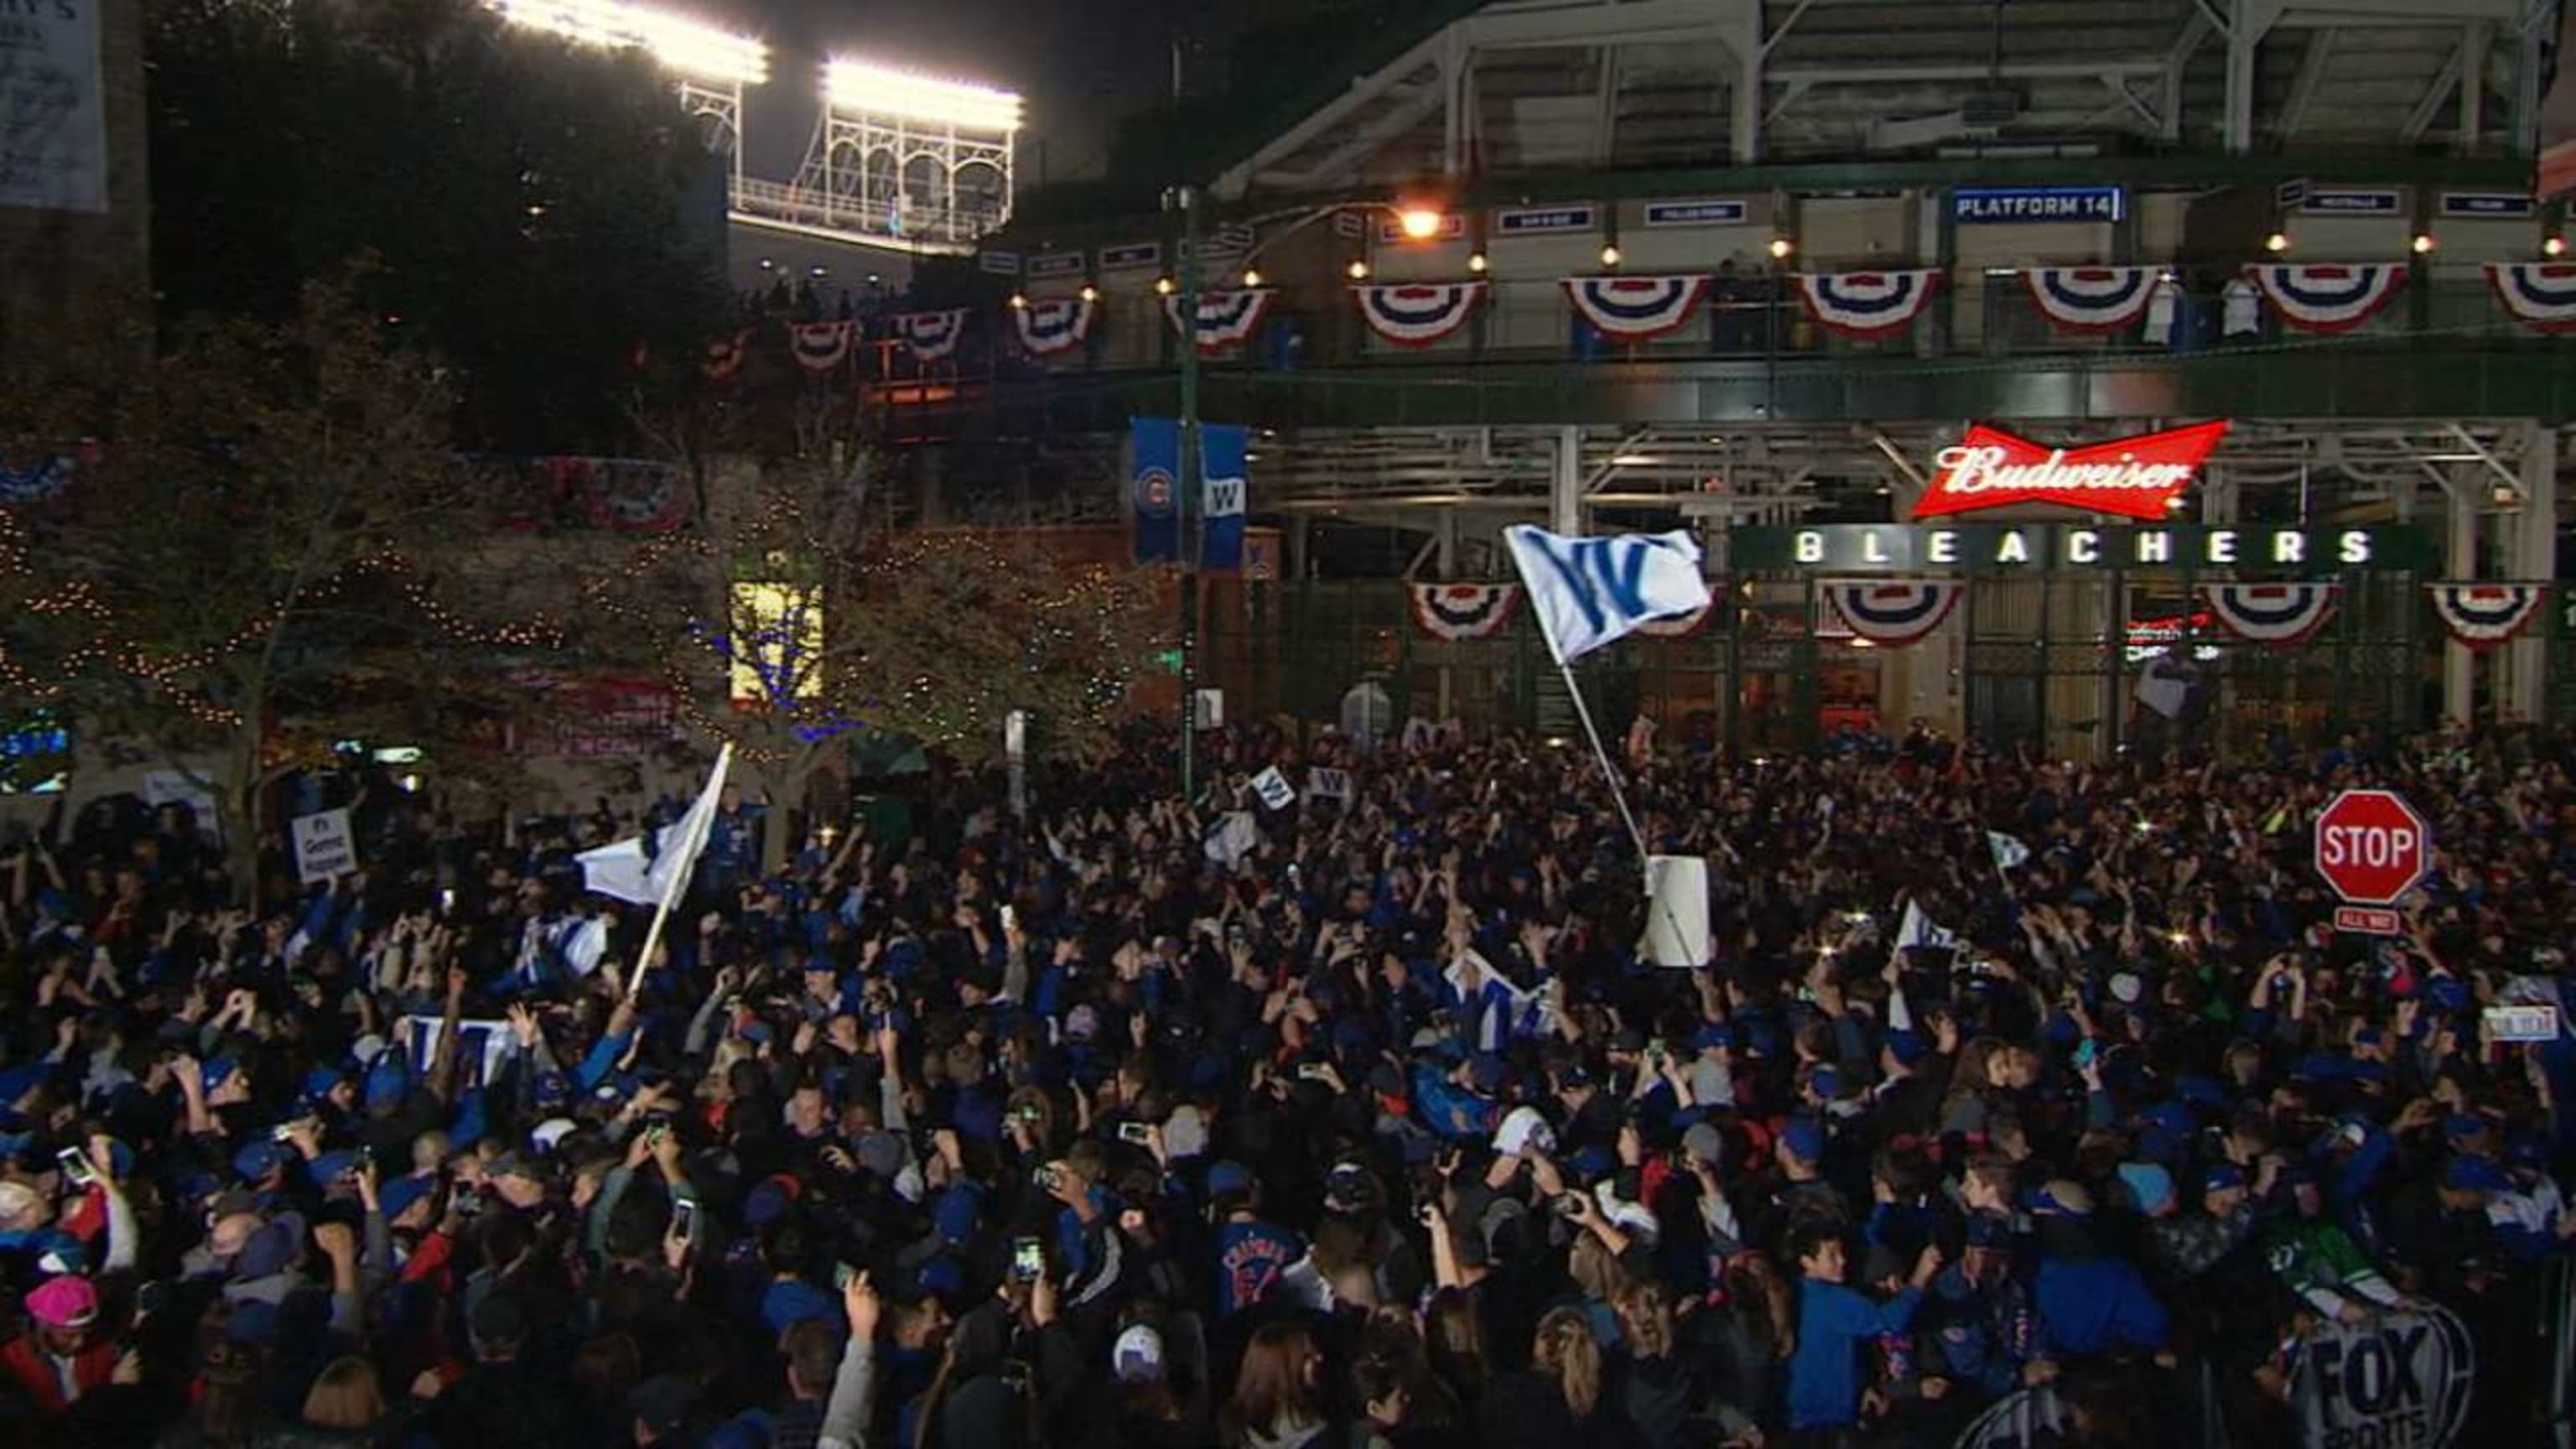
point(629, 872)
point(1274, 789)
point(2007, 851)
point(1323, 784)
point(1920, 930)
point(1591, 591)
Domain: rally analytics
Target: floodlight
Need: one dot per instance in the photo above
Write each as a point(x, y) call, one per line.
point(852, 85)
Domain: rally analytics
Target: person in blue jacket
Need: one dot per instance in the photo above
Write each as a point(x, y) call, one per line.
point(2090, 1302)
point(1834, 1321)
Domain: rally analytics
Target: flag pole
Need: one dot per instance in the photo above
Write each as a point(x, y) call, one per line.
point(1609, 771)
point(672, 889)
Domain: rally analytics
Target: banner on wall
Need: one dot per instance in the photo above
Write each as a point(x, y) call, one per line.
point(2485, 615)
point(2397, 1378)
point(1226, 473)
point(1462, 611)
point(1153, 474)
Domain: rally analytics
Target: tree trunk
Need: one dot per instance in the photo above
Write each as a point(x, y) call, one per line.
point(240, 797)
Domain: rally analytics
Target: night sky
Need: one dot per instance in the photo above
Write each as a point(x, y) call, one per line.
point(1080, 63)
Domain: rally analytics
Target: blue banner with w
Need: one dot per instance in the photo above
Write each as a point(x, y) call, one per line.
point(1152, 493)
point(1222, 452)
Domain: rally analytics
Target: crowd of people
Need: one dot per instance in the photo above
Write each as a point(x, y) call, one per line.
point(1355, 1122)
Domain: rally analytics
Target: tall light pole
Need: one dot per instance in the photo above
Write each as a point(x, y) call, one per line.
point(1186, 198)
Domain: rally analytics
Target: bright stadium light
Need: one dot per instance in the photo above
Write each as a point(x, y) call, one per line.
point(852, 85)
point(690, 47)
point(1420, 223)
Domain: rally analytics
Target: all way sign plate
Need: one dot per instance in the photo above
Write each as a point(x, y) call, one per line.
point(2367, 920)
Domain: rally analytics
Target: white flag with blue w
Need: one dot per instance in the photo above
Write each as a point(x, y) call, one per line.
point(1592, 591)
point(2007, 851)
point(1917, 929)
point(648, 875)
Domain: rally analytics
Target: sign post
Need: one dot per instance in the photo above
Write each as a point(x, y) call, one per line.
point(2372, 847)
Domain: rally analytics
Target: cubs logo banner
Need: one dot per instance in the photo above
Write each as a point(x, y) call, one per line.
point(1867, 304)
point(930, 335)
point(1636, 309)
point(2327, 297)
point(1417, 314)
point(2091, 300)
point(1462, 611)
point(2272, 613)
point(2540, 295)
point(820, 346)
point(1155, 448)
point(2485, 615)
point(2134, 477)
point(1894, 614)
point(1226, 319)
point(1055, 326)
point(2396, 1379)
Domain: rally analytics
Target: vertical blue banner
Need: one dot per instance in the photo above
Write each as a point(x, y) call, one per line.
point(1155, 444)
point(1223, 464)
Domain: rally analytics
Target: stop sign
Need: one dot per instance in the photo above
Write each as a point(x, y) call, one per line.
point(2372, 847)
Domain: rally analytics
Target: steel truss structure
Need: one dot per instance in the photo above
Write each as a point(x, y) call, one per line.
point(1535, 85)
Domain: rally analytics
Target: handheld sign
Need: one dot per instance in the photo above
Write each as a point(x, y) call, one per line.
point(324, 849)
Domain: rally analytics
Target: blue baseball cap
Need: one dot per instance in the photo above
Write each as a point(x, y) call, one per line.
point(2475, 1174)
point(2150, 1186)
point(397, 1196)
point(1712, 1036)
point(2223, 1177)
point(1229, 1177)
point(258, 1160)
point(1804, 1138)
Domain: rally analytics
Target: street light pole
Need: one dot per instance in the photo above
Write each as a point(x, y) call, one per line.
point(1189, 485)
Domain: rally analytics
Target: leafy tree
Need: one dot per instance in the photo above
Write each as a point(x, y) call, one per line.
point(547, 219)
point(254, 553)
point(793, 629)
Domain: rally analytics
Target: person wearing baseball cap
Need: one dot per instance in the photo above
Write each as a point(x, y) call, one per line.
point(62, 1356)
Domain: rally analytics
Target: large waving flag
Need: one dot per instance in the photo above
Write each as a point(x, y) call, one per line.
point(1593, 591)
point(650, 874)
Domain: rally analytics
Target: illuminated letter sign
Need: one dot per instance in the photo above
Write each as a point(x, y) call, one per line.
point(2138, 477)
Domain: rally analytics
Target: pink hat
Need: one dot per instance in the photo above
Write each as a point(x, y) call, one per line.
point(64, 1303)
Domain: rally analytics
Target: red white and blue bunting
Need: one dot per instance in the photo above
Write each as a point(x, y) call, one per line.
point(2540, 295)
point(930, 335)
point(2272, 613)
point(1867, 304)
point(1226, 319)
point(2091, 299)
point(2330, 296)
point(1679, 626)
point(39, 480)
point(2485, 615)
point(1417, 314)
point(1056, 325)
point(1894, 613)
point(1636, 309)
point(1463, 611)
point(821, 346)
point(724, 357)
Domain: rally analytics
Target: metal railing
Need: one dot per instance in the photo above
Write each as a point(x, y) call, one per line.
point(923, 228)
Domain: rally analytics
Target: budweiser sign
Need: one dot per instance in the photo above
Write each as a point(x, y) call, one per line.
point(2139, 477)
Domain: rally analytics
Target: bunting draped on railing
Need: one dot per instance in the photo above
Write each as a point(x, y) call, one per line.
point(2485, 615)
point(42, 479)
point(1417, 314)
point(1057, 325)
point(1636, 309)
point(2540, 295)
point(1679, 626)
point(2091, 299)
point(2327, 296)
point(1463, 611)
point(821, 346)
point(724, 357)
point(1867, 304)
point(930, 335)
point(555, 493)
point(2272, 613)
point(1226, 318)
point(1894, 613)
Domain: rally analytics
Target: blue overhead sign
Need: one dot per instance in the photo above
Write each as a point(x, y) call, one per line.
point(1710, 212)
point(1536, 220)
point(1058, 264)
point(2353, 201)
point(1129, 258)
point(1998, 205)
point(2491, 205)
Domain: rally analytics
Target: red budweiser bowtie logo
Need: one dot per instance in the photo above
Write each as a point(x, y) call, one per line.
point(2139, 477)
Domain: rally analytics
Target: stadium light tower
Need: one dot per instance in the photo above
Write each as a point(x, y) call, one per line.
point(713, 66)
point(911, 157)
